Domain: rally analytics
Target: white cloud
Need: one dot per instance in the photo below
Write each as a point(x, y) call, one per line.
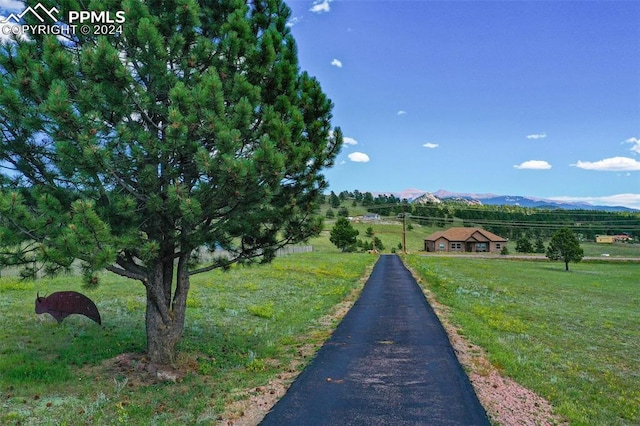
point(636, 144)
point(349, 141)
point(292, 21)
point(615, 164)
point(12, 6)
point(401, 112)
point(626, 200)
point(336, 63)
point(430, 145)
point(537, 136)
point(359, 157)
point(321, 6)
point(534, 165)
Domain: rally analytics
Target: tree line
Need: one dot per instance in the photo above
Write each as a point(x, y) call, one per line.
point(512, 222)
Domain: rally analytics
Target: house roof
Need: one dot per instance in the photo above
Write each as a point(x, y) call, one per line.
point(465, 234)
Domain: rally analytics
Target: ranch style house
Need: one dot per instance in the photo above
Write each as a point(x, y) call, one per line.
point(464, 240)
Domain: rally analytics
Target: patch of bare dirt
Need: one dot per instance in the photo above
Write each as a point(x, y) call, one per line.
point(137, 370)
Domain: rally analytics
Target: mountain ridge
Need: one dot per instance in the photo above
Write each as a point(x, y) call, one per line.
point(413, 194)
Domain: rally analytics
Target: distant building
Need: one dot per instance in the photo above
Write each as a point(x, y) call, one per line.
point(604, 239)
point(609, 239)
point(370, 217)
point(464, 240)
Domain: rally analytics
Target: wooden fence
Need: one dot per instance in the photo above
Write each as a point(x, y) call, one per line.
point(205, 256)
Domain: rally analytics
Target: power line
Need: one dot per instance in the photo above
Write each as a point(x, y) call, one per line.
point(587, 225)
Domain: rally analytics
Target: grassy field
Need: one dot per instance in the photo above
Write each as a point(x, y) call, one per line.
point(390, 232)
point(613, 250)
point(571, 337)
point(243, 327)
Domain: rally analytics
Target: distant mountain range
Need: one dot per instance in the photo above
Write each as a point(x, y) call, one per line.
point(419, 196)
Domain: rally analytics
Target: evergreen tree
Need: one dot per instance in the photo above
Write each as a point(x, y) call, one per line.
point(539, 248)
point(193, 128)
point(523, 245)
point(334, 201)
point(367, 199)
point(565, 246)
point(364, 245)
point(377, 243)
point(343, 235)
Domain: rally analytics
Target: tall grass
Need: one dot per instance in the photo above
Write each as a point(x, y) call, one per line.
point(573, 337)
point(243, 327)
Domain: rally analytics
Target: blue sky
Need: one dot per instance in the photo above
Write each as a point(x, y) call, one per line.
point(538, 98)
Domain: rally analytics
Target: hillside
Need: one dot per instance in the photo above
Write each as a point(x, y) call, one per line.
point(428, 213)
point(419, 196)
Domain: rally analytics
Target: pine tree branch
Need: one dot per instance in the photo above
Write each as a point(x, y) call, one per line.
point(127, 262)
point(127, 187)
point(127, 274)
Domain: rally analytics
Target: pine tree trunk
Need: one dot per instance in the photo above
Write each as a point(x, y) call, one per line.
point(166, 314)
point(162, 336)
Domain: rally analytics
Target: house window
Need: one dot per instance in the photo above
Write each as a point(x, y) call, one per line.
point(441, 246)
point(456, 246)
point(498, 246)
point(481, 246)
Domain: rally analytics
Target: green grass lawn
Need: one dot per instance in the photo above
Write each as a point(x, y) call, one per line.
point(573, 337)
point(243, 327)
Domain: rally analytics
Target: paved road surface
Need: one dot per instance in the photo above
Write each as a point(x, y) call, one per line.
point(389, 362)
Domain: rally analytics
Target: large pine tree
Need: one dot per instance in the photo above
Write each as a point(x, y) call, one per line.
point(192, 128)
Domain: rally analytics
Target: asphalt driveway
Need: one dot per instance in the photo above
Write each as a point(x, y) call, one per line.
point(389, 362)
